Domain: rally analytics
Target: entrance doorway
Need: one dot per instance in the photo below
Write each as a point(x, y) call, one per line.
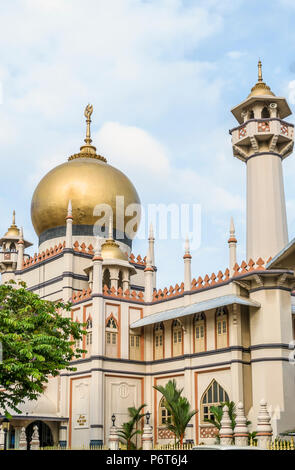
point(45, 434)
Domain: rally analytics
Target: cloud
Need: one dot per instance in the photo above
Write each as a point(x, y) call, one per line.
point(133, 146)
point(235, 54)
point(291, 91)
point(147, 160)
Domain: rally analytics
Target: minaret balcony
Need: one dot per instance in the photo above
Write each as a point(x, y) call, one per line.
point(8, 257)
point(262, 129)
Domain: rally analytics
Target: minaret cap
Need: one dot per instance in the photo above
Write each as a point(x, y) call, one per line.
point(187, 254)
point(232, 231)
point(13, 230)
point(260, 88)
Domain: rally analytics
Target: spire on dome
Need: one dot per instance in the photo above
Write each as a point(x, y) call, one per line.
point(87, 113)
point(88, 150)
point(260, 71)
point(260, 88)
point(13, 230)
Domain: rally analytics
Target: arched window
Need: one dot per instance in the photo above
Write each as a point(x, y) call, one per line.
point(200, 332)
point(134, 347)
point(159, 341)
point(12, 248)
point(120, 280)
point(251, 114)
point(176, 338)
point(213, 396)
point(111, 338)
point(265, 113)
point(164, 414)
point(89, 334)
point(221, 328)
point(106, 279)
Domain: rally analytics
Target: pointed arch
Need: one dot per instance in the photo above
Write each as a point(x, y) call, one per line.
point(111, 337)
point(200, 332)
point(106, 278)
point(159, 337)
point(265, 113)
point(177, 338)
point(164, 415)
point(89, 333)
point(214, 395)
point(120, 280)
point(221, 328)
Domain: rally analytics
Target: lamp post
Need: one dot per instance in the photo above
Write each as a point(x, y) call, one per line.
point(148, 417)
point(5, 427)
point(113, 419)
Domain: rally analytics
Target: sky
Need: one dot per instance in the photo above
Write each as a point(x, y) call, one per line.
point(162, 76)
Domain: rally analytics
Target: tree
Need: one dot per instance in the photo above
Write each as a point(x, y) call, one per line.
point(37, 341)
point(129, 429)
point(179, 408)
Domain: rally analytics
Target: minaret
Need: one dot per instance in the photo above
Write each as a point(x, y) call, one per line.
point(148, 278)
point(232, 244)
point(262, 140)
point(187, 258)
point(152, 252)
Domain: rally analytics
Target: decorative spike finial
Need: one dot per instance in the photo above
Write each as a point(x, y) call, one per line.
point(87, 113)
point(187, 246)
point(232, 227)
point(21, 234)
point(260, 79)
point(70, 211)
point(151, 232)
point(13, 217)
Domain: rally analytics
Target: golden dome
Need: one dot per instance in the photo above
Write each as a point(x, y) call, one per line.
point(111, 250)
point(260, 88)
point(13, 230)
point(87, 180)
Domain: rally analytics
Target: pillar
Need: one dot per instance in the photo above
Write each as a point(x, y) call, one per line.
point(264, 429)
point(241, 433)
point(226, 432)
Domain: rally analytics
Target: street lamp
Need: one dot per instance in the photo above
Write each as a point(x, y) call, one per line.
point(5, 427)
point(148, 417)
point(113, 419)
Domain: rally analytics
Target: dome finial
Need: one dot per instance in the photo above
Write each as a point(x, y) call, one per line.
point(87, 150)
point(260, 79)
point(13, 218)
point(87, 113)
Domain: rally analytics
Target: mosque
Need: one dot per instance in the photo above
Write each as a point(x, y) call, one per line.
point(223, 336)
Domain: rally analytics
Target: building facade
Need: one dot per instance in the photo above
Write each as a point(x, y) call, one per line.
point(223, 336)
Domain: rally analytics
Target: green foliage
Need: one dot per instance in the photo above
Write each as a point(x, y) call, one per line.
point(217, 412)
point(179, 408)
point(37, 342)
point(129, 429)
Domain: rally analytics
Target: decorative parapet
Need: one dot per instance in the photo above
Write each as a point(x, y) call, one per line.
point(38, 258)
point(81, 295)
point(82, 248)
point(138, 260)
point(245, 268)
point(165, 293)
point(120, 294)
point(210, 281)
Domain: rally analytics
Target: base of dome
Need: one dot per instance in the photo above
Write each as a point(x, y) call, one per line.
point(80, 231)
